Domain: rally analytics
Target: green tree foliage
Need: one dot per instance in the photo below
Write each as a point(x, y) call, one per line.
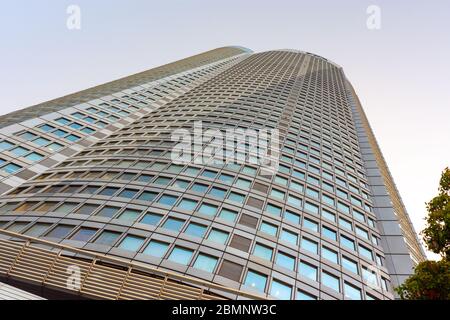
point(431, 279)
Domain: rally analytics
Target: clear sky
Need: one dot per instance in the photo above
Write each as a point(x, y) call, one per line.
point(400, 71)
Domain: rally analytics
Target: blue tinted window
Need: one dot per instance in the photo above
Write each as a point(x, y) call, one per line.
point(196, 230)
point(308, 271)
point(311, 225)
point(5, 145)
point(208, 209)
point(218, 236)
point(168, 200)
point(309, 245)
point(329, 255)
point(280, 290)
point(263, 252)
point(205, 262)
point(41, 141)
point(147, 196)
point(329, 233)
point(34, 156)
point(187, 204)
point(236, 197)
point(289, 236)
point(293, 217)
point(156, 248)
point(352, 292)
point(305, 296)
point(285, 261)
point(273, 209)
point(11, 168)
point(73, 138)
point(228, 214)
point(350, 265)
point(173, 224)
point(107, 238)
point(256, 280)
point(330, 281)
point(46, 127)
point(131, 243)
point(19, 151)
point(151, 219)
point(197, 187)
point(181, 255)
point(269, 228)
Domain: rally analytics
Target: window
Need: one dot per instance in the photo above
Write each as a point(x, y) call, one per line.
point(361, 232)
point(108, 191)
point(330, 281)
point(131, 243)
point(19, 151)
point(156, 248)
point(5, 145)
point(294, 201)
point(198, 187)
point(87, 209)
point(345, 224)
point(151, 219)
point(38, 229)
point(293, 217)
point(181, 255)
point(173, 224)
point(272, 209)
point(311, 225)
point(107, 238)
point(66, 207)
point(208, 209)
point(54, 146)
point(236, 197)
point(285, 261)
point(328, 215)
point(289, 236)
point(243, 183)
point(280, 290)
point(308, 271)
point(218, 236)
point(84, 234)
point(365, 252)
point(346, 242)
point(17, 226)
point(129, 215)
point(226, 178)
point(162, 181)
point(34, 157)
point(218, 193)
point(107, 212)
point(147, 196)
point(182, 184)
point(309, 245)
point(352, 292)
point(196, 230)
point(60, 232)
point(269, 228)
point(228, 215)
point(311, 208)
point(330, 255)
point(331, 234)
point(350, 265)
point(127, 193)
point(256, 280)
point(11, 168)
point(301, 295)
point(263, 252)
point(343, 208)
point(277, 194)
point(205, 262)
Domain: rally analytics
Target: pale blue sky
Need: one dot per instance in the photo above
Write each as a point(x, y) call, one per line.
point(401, 72)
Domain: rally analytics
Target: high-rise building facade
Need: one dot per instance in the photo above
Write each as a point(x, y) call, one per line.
point(95, 204)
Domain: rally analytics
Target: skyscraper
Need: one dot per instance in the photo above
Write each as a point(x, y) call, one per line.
point(110, 193)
